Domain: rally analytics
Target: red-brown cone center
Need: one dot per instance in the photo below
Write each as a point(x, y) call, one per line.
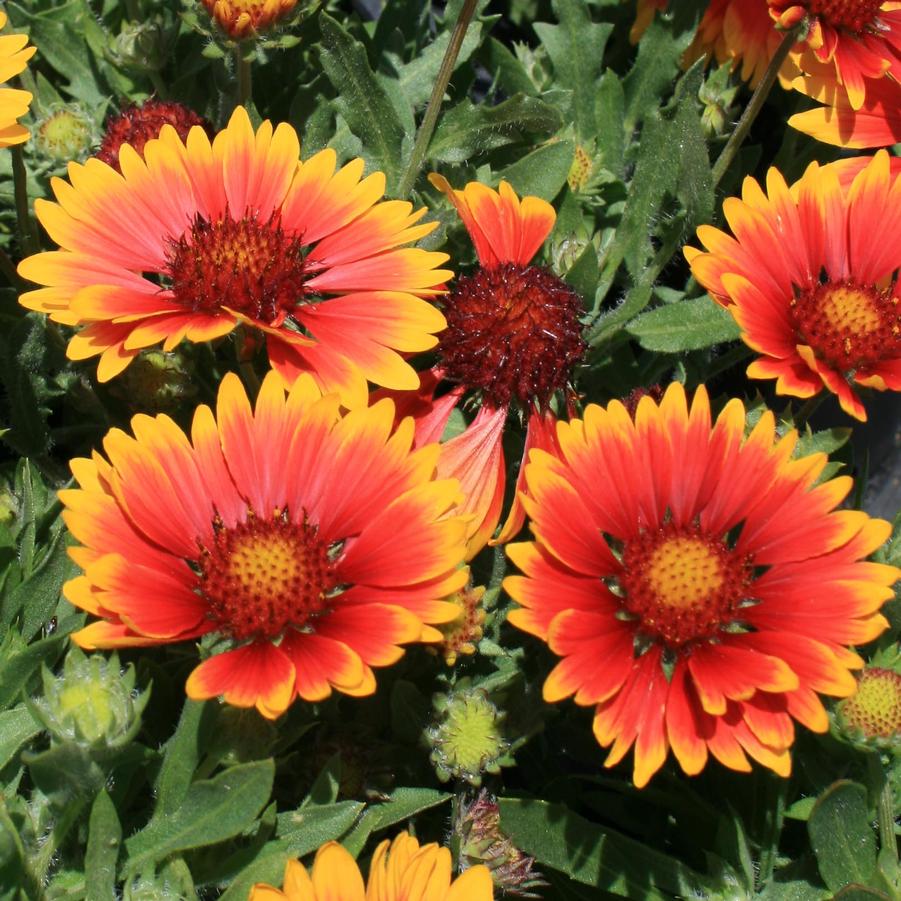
point(853, 15)
point(512, 333)
point(248, 265)
point(849, 326)
point(682, 585)
point(265, 575)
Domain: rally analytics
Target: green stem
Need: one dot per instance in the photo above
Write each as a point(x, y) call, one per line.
point(775, 796)
point(67, 818)
point(808, 408)
point(430, 119)
point(885, 815)
point(244, 77)
point(159, 86)
point(28, 235)
point(8, 269)
point(755, 104)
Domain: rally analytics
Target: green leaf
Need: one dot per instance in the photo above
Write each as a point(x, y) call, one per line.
point(403, 804)
point(596, 856)
point(307, 828)
point(841, 836)
point(38, 596)
point(687, 325)
point(576, 49)
point(16, 727)
point(325, 788)
point(181, 757)
point(19, 661)
point(542, 172)
point(610, 114)
point(362, 100)
point(470, 129)
point(509, 72)
point(826, 442)
point(104, 844)
point(418, 76)
point(656, 67)
point(212, 811)
point(860, 893)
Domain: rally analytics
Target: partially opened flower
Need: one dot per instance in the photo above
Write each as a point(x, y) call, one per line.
point(814, 292)
point(512, 339)
point(241, 19)
point(14, 56)
point(401, 870)
point(845, 41)
point(700, 585)
point(314, 544)
point(193, 238)
point(136, 124)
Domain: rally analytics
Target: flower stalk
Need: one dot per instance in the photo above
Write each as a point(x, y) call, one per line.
point(430, 119)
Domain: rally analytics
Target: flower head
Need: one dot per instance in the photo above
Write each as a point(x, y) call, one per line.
point(812, 290)
point(845, 41)
point(137, 124)
point(241, 19)
point(700, 586)
point(312, 544)
point(65, 134)
point(401, 870)
point(14, 55)
point(513, 336)
point(194, 237)
point(873, 712)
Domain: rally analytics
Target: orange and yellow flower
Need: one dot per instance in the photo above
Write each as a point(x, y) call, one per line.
point(814, 291)
point(401, 870)
point(241, 19)
point(513, 337)
point(194, 237)
point(845, 41)
point(876, 123)
point(739, 32)
point(14, 56)
point(314, 544)
point(699, 585)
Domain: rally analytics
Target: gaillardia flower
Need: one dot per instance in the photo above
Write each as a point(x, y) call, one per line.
point(700, 586)
point(313, 544)
point(137, 124)
point(193, 238)
point(14, 56)
point(241, 19)
point(846, 41)
point(813, 292)
point(401, 870)
point(873, 712)
point(513, 337)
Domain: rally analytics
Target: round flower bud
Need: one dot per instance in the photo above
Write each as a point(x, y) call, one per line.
point(67, 133)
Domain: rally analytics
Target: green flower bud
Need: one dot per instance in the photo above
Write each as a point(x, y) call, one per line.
point(717, 94)
point(66, 133)
point(156, 382)
point(92, 703)
point(141, 46)
point(467, 739)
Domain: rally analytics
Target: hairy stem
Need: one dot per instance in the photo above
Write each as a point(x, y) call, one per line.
point(755, 104)
point(244, 77)
point(430, 119)
point(28, 235)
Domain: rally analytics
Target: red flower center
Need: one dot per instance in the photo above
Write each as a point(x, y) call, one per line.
point(682, 585)
point(136, 125)
point(264, 575)
point(848, 325)
point(853, 15)
point(512, 333)
point(876, 708)
point(246, 265)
